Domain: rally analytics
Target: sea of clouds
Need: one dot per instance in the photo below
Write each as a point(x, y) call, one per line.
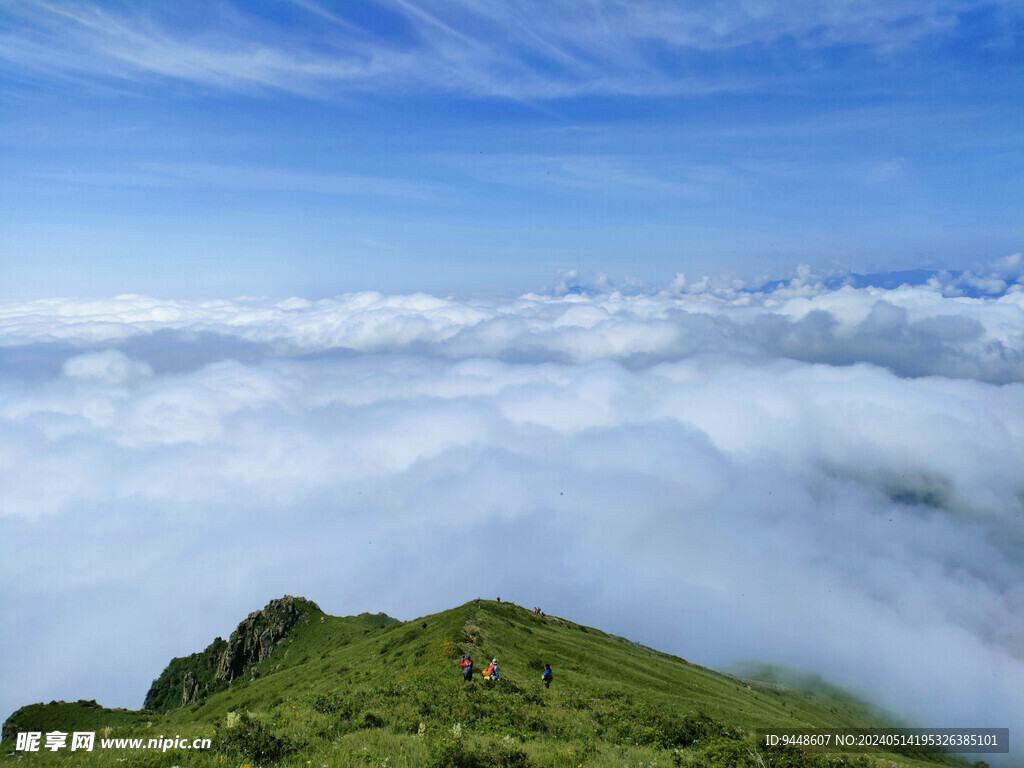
point(808, 473)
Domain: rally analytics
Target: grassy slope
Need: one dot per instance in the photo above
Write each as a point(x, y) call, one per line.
point(357, 691)
point(72, 715)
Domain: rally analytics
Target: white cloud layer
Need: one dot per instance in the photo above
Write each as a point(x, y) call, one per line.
point(823, 477)
point(111, 366)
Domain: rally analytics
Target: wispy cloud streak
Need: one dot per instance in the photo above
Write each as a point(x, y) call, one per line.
point(526, 51)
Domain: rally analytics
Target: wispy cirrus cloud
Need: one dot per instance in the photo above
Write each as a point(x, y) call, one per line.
point(608, 174)
point(235, 52)
point(252, 179)
point(525, 51)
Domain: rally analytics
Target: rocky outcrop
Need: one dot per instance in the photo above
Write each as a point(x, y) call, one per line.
point(257, 636)
point(192, 678)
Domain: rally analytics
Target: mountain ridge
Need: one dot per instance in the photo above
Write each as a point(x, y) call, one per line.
point(205, 672)
point(293, 682)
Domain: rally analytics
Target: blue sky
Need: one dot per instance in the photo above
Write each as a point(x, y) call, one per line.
point(309, 148)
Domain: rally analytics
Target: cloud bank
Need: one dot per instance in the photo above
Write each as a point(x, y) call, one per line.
point(802, 473)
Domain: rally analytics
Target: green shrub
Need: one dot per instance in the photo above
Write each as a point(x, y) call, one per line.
point(452, 753)
point(457, 753)
point(250, 738)
point(504, 756)
point(326, 703)
point(371, 720)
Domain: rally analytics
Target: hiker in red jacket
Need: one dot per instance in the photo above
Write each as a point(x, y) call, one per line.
point(491, 673)
point(467, 668)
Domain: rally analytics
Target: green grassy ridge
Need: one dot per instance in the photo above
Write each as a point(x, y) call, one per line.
point(166, 691)
point(214, 668)
point(782, 677)
point(70, 716)
point(371, 691)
